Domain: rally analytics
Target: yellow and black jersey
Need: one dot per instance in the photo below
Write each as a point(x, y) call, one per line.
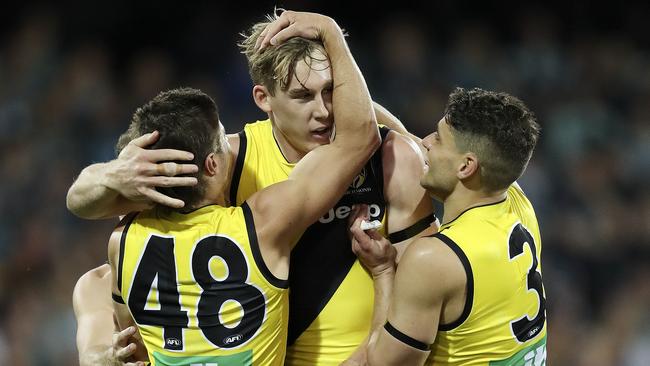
point(504, 319)
point(331, 295)
point(199, 291)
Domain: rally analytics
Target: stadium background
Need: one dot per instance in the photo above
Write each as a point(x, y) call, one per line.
point(72, 74)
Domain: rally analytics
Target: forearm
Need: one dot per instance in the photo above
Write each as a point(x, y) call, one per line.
point(89, 196)
point(386, 118)
point(354, 113)
point(94, 195)
point(383, 285)
point(96, 356)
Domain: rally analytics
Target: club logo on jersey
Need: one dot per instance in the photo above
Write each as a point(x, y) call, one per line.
point(342, 212)
point(356, 187)
point(233, 339)
point(359, 179)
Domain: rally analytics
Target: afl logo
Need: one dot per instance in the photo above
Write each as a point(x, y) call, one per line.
point(359, 179)
point(174, 342)
point(232, 339)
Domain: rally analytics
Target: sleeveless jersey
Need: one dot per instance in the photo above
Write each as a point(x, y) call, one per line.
point(504, 319)
point(199, 291)
point(331, 295)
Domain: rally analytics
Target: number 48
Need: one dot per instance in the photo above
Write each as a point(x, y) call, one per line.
point(158, 262)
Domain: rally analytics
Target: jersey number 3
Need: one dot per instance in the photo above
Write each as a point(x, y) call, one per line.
point(524, 328)
point(158, 262)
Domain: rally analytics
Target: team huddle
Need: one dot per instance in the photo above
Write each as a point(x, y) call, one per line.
point(253, 248)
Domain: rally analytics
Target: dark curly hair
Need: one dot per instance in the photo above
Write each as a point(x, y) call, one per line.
point(187, 119)
point(498, 128)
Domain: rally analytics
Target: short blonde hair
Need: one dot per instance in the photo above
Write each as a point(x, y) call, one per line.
point(275, 66)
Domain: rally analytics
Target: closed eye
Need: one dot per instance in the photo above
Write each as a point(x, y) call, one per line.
point(300, 94)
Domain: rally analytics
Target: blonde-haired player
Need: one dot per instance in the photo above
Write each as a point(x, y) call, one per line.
point(207, 284)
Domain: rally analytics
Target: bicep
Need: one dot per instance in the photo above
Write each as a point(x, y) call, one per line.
point(409, 330)
point(93, 312)
point(408, 203)
point(322, 177)
point(314, 186)
point(94, 329)
point(415, 308)
point(414, 312)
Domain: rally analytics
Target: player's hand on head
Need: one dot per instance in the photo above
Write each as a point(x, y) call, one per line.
point(374, 251)
point(138, 171)
point(294, 24)
point(128, 349)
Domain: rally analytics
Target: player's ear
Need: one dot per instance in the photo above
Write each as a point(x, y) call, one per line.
point(211, 164)
point(468, 166)
point(261, 97)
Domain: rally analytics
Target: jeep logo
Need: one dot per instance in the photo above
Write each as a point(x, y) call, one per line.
point(342, 212)
point(233, 339)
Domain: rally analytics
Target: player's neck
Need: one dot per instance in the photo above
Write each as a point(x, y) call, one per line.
point(217, 190)
point(292, 154)
point(219, 197)
point(462, 199)
point(225, 190)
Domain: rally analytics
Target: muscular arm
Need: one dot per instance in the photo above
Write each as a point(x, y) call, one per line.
point(408, 202)
point(91, 195)
point(129, 182)
point(322, 176)
point(97, 340)
point(378, 256)
point(418, 307)
point(92, 308)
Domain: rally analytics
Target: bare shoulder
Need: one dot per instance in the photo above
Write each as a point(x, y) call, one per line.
point(403, 166)
point(92, 289)
point(429, 257)
point(402, 160)
point(233, 141)
point(402, 147)
point(92, 277)
point(279, 216)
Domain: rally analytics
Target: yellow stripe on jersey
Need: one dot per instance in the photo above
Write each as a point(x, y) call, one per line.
point(345, 319)
point(504, 322)
point(263, 163)
point(199, 291)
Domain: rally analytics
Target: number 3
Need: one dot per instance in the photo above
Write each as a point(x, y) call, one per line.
point(524, 328)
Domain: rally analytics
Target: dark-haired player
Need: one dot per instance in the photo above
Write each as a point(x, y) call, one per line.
point(471, 294)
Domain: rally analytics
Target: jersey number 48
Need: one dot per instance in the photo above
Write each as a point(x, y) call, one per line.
point(158, 262)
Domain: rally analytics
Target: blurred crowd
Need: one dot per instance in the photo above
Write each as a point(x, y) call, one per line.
point(65, 100)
